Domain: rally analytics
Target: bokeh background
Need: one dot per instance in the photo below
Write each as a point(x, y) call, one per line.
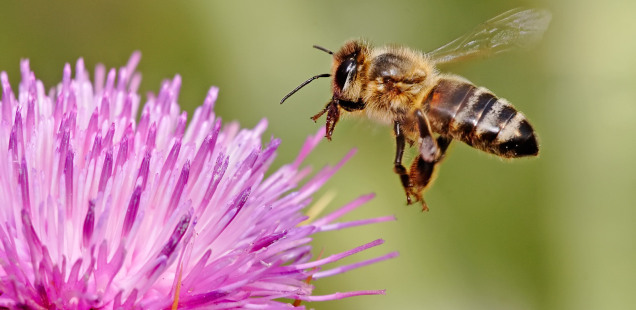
point(555, 232)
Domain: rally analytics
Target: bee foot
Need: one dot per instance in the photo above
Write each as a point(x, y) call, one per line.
point(424, 206)
point(413, 197)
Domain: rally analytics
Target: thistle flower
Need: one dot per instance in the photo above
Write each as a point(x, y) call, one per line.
point(101, 211)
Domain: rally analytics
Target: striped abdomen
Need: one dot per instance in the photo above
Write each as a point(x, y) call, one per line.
point(477, 117)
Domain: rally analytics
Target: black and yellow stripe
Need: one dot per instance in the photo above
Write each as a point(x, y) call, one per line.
point(475, 116)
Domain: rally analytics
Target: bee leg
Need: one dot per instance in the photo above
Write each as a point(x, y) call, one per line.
point(429, 151)
point(333, 115)
point(319, 114)
point(420, 175)
point(432, 151)
point(443, 143)
point(422, 171)
point(397, 163)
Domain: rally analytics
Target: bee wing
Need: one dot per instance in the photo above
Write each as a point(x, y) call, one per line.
point(517, 28)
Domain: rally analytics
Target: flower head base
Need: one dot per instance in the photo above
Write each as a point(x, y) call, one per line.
point(101, 211)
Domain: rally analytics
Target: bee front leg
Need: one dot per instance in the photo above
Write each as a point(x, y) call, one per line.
point(333, 115)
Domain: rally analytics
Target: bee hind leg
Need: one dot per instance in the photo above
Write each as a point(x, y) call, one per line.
point(422, 171)
point(420, 174)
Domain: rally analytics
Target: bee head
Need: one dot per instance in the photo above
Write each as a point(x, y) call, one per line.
point(346, 87)
point(344, 70)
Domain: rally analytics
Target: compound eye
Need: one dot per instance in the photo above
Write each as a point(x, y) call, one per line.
point(346, 69)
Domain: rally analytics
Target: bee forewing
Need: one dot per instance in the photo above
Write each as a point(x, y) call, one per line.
point(516, 28)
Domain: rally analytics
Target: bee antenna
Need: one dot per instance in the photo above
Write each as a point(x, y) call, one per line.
point(323, 49)
point(303, 84)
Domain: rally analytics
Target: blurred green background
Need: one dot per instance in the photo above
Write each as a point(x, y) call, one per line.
point(556, 232)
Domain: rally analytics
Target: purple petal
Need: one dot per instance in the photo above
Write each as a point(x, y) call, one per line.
point(103, 212)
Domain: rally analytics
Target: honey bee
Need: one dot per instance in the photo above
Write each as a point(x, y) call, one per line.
point(402, 87)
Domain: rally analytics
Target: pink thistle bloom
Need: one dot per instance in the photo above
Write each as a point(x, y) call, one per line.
point(101, 211)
